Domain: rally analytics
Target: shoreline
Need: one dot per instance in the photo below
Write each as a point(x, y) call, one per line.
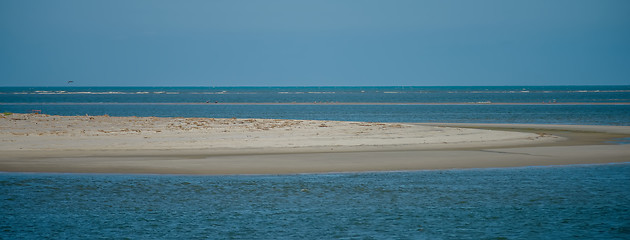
point(202, 146)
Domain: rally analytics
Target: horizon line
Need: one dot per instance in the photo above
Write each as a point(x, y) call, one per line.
point(259, 86)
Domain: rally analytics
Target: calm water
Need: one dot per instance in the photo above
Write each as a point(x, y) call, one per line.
point(190, 102)
point(573, 202)
point(520, 94)
point(577, 202)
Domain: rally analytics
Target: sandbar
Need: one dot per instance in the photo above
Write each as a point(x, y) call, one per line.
point(104, 144)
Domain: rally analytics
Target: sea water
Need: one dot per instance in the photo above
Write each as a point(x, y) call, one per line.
point(600, 105)
point(506, 94)
point(576, 202)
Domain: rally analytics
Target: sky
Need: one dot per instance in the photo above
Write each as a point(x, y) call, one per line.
point(314, 43)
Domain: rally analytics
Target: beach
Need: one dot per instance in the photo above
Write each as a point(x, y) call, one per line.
point(104, 144)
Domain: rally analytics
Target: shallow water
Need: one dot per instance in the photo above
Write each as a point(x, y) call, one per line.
point(620, 141)
point(576, 202)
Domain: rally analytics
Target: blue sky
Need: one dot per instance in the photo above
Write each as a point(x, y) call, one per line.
point(314, 43)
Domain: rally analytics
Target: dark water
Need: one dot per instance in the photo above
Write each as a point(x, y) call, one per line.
point(544, 114)
point(190, 102)
point(577, 202)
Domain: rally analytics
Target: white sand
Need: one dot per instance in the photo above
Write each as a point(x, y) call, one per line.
point(44, 132)
point(43, 143)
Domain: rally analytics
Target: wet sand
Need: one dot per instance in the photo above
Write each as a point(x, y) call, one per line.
point(103, 144)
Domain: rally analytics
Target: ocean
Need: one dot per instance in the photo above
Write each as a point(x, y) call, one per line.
point(558, 202)
point(591, 105)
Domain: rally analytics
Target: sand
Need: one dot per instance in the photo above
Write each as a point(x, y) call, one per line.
point(103, 144)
